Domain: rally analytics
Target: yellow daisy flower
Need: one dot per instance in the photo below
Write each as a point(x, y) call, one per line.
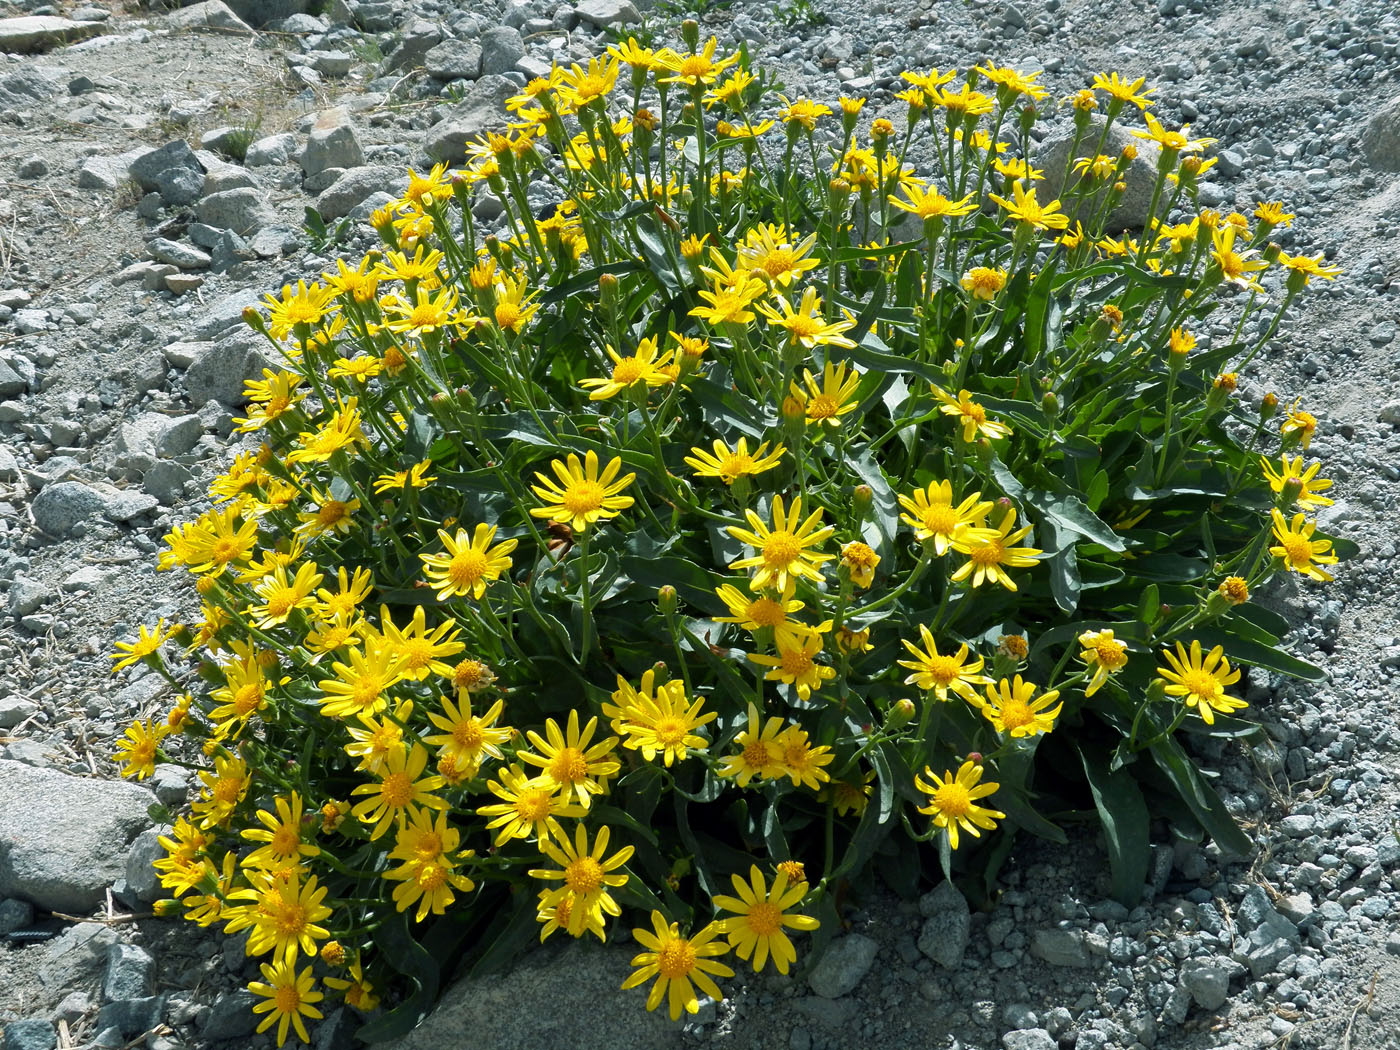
point(939, 672)
point(786, 550)
point(953, 801)
point(1009, 707)
point(1200, 681)
point(581, 497)
point(760, 916)
point(832, 399)
point(731, 464)
point(1299, 551)
point(972, 416)
point(1105, 654)
point(988, 557)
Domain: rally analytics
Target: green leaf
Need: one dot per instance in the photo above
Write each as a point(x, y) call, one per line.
point(1070, 513)
point(884, 507)
point(1203, 801)
point(1242, 650)
point(398, 947)
point(1124, 816)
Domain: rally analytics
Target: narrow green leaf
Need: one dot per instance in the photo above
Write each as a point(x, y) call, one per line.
point(1124, 817)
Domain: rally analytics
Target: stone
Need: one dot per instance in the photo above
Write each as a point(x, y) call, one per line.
point(180, 283)
point(1060, 947)
point(331, 144)
point(9, 466)
point(419, 37)
point(171, 785)
point(453, 60)
point(1298, 825)
point(501, 48)
point(226, 313)
point(15, 914)
point(130, 973)
point(331, 63)
point(1265, 958)
point(604, 13)
point(482, 109)
point(1230, 163)
point(66, 837)
point(27, 85)
point(1131, 212)
point(211, 14)
point(1029, 1039)
point(587, 1006)
point(27, 596)
point(15, 709)
point(132, 1016)
point(178, 436)
point(142, 879)
point(166, 481)
point(180, 186)
point(32, 167)
point(107, 171)
point(182, 255)
point(174, 154)
point(947, 926)
point(60, 507)
point(241, 210)
point(221, 371)
point(33, 1034)
point(73, 1006)
point(259, 13)
point(231, 1016)
point(271, 149)
point(843, 965)
point(1380, 142)
point(33, 33)
point(11, 382)
point(1207, 981)
point(353, 187)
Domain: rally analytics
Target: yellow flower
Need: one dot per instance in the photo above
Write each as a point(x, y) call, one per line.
point(399, 266)
point(796, 664)
point(359, 686)
point(1010, 709)
point(1236, 268)
point(282, 834)
point(513, 308)
point(760, 751)
point(860, 562)
point(1200, 681)
point(1299, 551)
point(271, 397)
point(555, 912)
point(360, 284)
point(428, 856)
point(1122, 89)
point(416, 477)
point(805, 326)
point(675, 962)
point(1014, 82)
point(341, 432)
point(761, 914)
point(832, 399)
point(803, 761)
point(569, 763)
point(581, 497)
point(467, 564)
point(972, 415)
point(664, 723)
point(768, 253)
point(426, 314)
point(1031, 213)
point(1272, 214)
point(287, 998)
point(953, 801)
point(330, 516)
point(802, 111)
point(754, 612)
point(1303, 485)
point(147, 642)
point(281, 597)
point(784, 551)
point(731, 464)
point(1303, 268)
point(223, 789)
point(729, 301)
point(374, 740)
point(849, 797)
point(636, 56)
point(934, 517)
point(939, 672)
point(282, 913)
point(587, 874)
point(1298, 424)
point(1180, 342)
point(984, 283)
point(695, 69)
point(401, 791)
point(467, 737)
point(529, 807)
point(1171, 141)
point(1234, 589)
point(1105, 654)
point(138, 748)
point(361, 368)
point(357, 992)
point(297, 311)
point(930, 204)
point(988, 557)
point(578, 86)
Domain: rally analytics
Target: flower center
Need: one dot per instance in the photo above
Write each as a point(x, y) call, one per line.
point(1015, 714)
point(675, 959)
point(418, 652)
point(953, 800)
point(780, 549)
point(975, 412)
point(777, 262)
point(431, 877)
point(331, 512)
point(287, 998)
point(397, 790)
point(765, 919)
point(583, 496)
point(248, 699)
point(290, 918)
point(765, 612)
point(569, 766)
point(366, 691)
point(990, 553)
point(285, 841)
point(736, 465)
point(224, 551)
point(942, 669)
point(627, 371)
point(226, 790)
point(468, 674)
point(1202, 684)
point(584, 876)
point(755, 755)
point(428, 846)
point(532, 804)
point(466, 567)
point(507, 315)
point(940, 518)
point(1298, 549)
point(280, 603)
point(796, 662)
point(694, 66)
point(1111, 655)
point(669, 731)
point(821, 407)
point(467, 735)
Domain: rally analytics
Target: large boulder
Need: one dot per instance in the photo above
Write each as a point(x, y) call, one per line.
point(1381, 139)
point(483, 109)
point(211, 14)
point(354, 187)
point(42, 32)
point(1131, 212)
point(64, 839)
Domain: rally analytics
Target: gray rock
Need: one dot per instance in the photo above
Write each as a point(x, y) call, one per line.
point(109, 1038)
point(130, 973)
point(299, 24)
point(1230, 163)
point(275, 241)
point(1029, 1039)
point(1060, 947)
point(171, 785)
point(419, 37)
point(843, 965)
point(182, 255)
point(271, 149)
point(132, 1016)
point(60, 507)
point(27, 85)
point(11, 382)
point(33, 33)
point(26, 596)
point(260, 12)
point(166, 481)
point(174, 154)
point(353, 187)
point(231, 1016)
point(1207, 980)
point(1131, 212)
point(180, 186)
point(483, 109)
point(501, 48)
point(178, 436)
point(1298, 825)
point(30, 1035)
point(15, 709)
point(1264, 959)
point(210, 14)
point(241, 210)
point(15, 914)
point(31, 321)
point(605, 13)
point(1381, 139)
point(226, 139)
point(331, 144)
point(454, 60)
point(331, 63)
point(9, 466)
point(226, 313)
point(88, 578)
point(74, 1006)
point(32, 167)
point(66, 837)
point(222, 370)
point(947, 927)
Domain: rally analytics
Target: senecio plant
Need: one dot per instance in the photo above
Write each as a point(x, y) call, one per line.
point(760, 515)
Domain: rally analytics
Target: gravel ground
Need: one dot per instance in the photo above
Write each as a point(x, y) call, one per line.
point(120, 283)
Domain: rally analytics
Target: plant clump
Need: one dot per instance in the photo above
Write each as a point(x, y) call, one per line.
point(761, 515)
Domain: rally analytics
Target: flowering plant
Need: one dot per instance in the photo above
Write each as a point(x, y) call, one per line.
point(759, 515)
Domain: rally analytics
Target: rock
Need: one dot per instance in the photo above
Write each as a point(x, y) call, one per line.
point(332, 144)
point(300, 25)
point(174, 154)
point(107, 171)
point(331, 63)
point(1265, 958)
point(1381, 139)
point(242, 211)
point(843, 965)
point(271, 149)
point(226, 313)
point(15, 709)
point(221, 371)
point(178, 436)
point(419, 37)
point(228, 140)
point(1298, 825)
point(73, 1006)
point(132, 1016)
point(947, 927)
point(15, 914)
point(231, 1016)
point(9, 466)
point(1060, 947)
point(211, 14)
point(180, 186)
point(27, 85)
point(1131, 212)
point(177, 254)
point(482, 109)
point(1029, 1039)
point(1230, 163)
point(604, 13)
point(66, 837)
point(32, 1034)
point(60, 507)
point(22, 36)
point(27, 596)
point(32, 167)
point(501, 48)
point(259, 13)
point(11, 382)
point(88, 578)
point(454, 60)
point(341, 197)
point(180, 283)
point(1207, 980)
point(587, 1008)
point(141, 877)
point(130, 973)
point(166, 481)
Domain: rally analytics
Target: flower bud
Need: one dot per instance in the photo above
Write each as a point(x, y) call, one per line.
point(1292, 489)
point(861, 498)
point(975, 757)
point(1268, 407)
point(1271, 252)
point(166, 907)
point(254, 319)
point(333, 953)
point(607, 291)
point(666, 599)
point(899, 715)
point(690, 33)
point(1234, 590)
point(793, 409)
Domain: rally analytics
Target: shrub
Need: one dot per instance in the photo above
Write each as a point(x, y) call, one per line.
point(758, 515)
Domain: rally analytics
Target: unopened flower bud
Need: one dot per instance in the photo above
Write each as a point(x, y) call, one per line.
point(666, 599)
point(975, 757)
point(254, 319)
point(862, 497)
point(1292, 489)
point(607, 290)
point(690, 33)
point(1268, 407)
point(793, 409)
point(1271, 252)
point(166, 907)
point(1050, 405)
point(899, 715)
point(1234, 589)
